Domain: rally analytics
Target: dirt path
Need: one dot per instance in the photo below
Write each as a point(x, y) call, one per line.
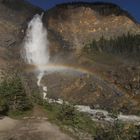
point(7, 124)
point(34, 127)
point(30, 129)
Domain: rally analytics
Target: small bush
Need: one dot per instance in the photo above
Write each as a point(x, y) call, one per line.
point(3, 106)
point(118, 131)
point(13, 96)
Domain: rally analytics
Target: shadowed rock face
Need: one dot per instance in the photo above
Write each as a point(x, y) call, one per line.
point(75, 25)
point(14, 16)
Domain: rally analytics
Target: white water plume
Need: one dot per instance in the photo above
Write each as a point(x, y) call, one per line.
point(36, 46)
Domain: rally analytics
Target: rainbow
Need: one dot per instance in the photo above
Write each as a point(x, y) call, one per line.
point(51, 68)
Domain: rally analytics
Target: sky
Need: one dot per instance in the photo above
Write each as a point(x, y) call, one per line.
point(132, 6)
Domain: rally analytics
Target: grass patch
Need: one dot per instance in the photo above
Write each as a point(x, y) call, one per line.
point(19, 114)
point(67, 115)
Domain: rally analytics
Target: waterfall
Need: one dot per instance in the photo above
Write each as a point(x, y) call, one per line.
point(36, 47)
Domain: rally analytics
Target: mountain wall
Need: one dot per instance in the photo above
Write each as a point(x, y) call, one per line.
point(76, 24)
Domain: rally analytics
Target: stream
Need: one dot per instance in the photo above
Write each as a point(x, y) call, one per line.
point(99, 114)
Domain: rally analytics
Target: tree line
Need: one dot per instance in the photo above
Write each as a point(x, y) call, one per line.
point(125, 44)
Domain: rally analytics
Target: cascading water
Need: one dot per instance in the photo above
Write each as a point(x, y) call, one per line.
point(36, 47)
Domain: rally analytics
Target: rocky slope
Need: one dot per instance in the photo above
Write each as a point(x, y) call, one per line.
point(74, 25)
point(14, 15)
point(70, 28)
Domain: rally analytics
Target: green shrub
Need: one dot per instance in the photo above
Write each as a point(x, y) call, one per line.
point(118, 131)
point(3, 106)
point(13, 96)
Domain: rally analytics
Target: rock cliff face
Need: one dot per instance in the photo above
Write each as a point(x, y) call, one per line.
point(71, 27)
point(79, 23)
point(14, 14)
